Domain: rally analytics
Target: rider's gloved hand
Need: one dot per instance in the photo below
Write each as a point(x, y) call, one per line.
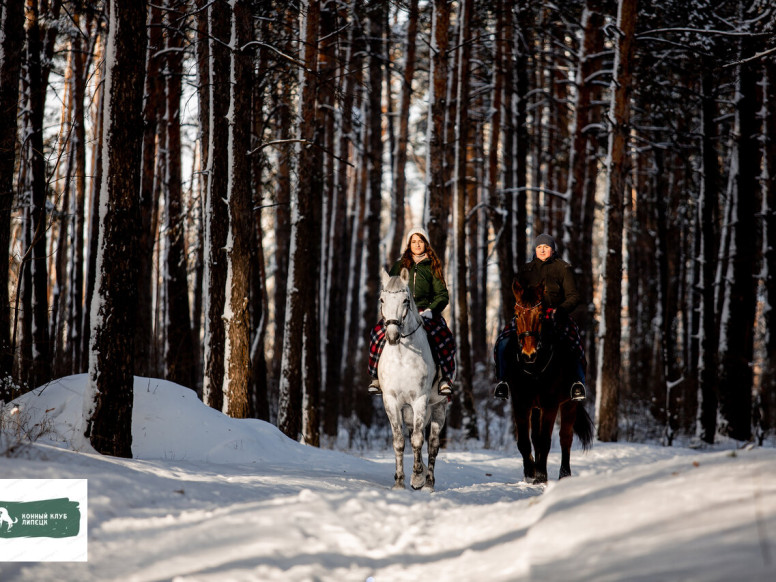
point(427, 313)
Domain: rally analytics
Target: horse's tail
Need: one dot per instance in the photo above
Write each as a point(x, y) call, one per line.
point(584, 428)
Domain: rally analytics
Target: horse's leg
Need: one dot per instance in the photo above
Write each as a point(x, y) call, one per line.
point(543, 441)
point(568, 414)
point(417, 437)
point(394, 417)
point(438, 412)
point(522, 416)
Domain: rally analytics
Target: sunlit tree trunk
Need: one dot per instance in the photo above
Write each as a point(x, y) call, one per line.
point(238, 283)
point(109, 396)
point(609, 356)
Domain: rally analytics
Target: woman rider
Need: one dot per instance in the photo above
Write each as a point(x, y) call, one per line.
point(427, 284)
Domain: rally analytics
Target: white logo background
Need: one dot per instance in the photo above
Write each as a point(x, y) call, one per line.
point(69, 549)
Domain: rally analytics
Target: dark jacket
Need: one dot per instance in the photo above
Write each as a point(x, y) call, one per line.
point(558, 278)
point(428, 291)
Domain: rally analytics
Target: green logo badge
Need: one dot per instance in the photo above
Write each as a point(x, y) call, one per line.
point(48, 518)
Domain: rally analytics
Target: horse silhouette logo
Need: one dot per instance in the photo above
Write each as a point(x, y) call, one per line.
point(5, 518)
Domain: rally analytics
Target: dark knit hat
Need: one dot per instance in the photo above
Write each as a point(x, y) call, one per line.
point(545, 239)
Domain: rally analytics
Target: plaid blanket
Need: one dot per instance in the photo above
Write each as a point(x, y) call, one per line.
point(440, 338)
point(566, 335)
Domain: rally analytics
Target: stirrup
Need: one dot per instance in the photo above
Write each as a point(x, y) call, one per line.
point(445, 389)
point(374, 387)
point(578, 391)
point(501, 391)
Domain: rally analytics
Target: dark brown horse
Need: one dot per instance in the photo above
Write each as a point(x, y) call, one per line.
point(540, 373)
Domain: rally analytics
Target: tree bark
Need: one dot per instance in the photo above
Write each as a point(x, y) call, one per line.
point(216, 209)
point(610, 358)
point(108, 402)
point(237, 317)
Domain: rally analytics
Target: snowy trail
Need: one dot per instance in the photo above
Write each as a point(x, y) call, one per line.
point(277, 510)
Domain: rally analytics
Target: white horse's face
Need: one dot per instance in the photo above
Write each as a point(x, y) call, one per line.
point(395, 304)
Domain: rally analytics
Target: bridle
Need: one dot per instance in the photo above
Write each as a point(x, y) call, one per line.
point(537, 334)
point(400, 322)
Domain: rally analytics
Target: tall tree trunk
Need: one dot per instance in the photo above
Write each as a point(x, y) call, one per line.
point(332, 247)
point(580, 191)
point(94, 225)
point(153, 109)
point(179, 344)
point(300, 368)
point(237, 317)
point(370, 275)
point(768, 381)
point(108, 401)
point(203, 94)
point(737, 335)
point(609, 356)
point(78, 210)
point(12, 25)
point(437, 199)
point(461, 179)
point(284, 131)
point(397, 227)
point(216, 209)
point(40, 366)
point(523, 42)
point(504, 215)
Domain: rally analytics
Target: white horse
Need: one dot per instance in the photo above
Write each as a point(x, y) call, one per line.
point(408, 379)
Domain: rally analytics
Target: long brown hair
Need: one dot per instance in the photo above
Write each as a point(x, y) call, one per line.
point(436, 264)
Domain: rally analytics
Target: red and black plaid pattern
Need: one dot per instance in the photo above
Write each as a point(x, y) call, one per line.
point(566, 333)
point(440, 338)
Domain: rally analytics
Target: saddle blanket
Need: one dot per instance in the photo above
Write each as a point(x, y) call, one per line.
point(440, 337)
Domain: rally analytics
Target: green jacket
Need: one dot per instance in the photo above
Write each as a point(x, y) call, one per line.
point(558, 278)
point(428, 291)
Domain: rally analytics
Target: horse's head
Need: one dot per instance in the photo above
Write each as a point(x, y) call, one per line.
point(396, 304)
point(529, 312)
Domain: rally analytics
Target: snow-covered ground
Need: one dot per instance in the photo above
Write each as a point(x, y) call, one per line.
point(208, 497)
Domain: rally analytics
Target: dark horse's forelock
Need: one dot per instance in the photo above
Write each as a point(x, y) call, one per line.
point(528, 296)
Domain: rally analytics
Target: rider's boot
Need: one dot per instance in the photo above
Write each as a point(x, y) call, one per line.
point(445, 387)
point(374, 387)
point(502, 390)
